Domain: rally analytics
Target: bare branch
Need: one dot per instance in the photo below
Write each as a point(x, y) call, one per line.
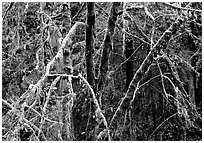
point(134, 35)
point(80, 10)
point(8, 104)
point(49, 92)
point(67, 41)
point(139, 7)
point(98, 111)
point(148, 13)
point(181, 8)
point(161, 125)
point(138, 48)
point(9, 7)
point(133, 87)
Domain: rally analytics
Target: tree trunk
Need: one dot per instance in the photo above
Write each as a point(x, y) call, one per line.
point(107, 45)
point(129, 63)
point(89, 44)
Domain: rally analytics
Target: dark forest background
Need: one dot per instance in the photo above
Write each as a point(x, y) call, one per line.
point(102, 71)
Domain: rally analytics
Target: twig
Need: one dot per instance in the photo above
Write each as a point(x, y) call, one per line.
point(127, 59)
point(99, 7)
point(150, 80)
point(8, 104)
point(125, 25)
point(132, 8)
point(162, 78)
point(10, 6)
point(65, 43)
point(46, 103)
point(141, 71)
point(98, 113)
point(148, 13)
point(49, 92)
point(181, 8)
point(80, 10)
point(136, 26)
point(161, 125)
point(134, 36)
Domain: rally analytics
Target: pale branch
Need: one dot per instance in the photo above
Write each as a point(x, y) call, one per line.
point(54, 122)
point(46, 102)
point(25, 124)
point(33, 88)
point(141, 32)
point(162, 77)
point(44, 117)
point(135, 36)
point(169, 81)
point(175, 75)
point(148, 13)
point(133, 86)
point(67, 41)
point(37, 59)
point(78, 13)
point(181, 8)
point(62, 75)
point(135, 51)
point(29, 107)
point(49, 93)
point(162, 15)
point(197, 53)
point(152, 36)
point(143, 84)
point(30, 123)
point(98, 111)
point(99, 7)
point(124, 25)
point(135, 24)
point(8, 104)
point(188, 64)
point(130, 8)
point(161, 125)
point(50, 18)
point(161, 43)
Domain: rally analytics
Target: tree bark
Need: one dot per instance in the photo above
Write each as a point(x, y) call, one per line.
point(89, 44)
point(107, 45)
point(129, 63)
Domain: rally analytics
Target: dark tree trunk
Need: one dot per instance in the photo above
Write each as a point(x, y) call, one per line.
point(107, 45)
point(90, 65)
point(89, 44)
point(196, 83)
point(129, 63)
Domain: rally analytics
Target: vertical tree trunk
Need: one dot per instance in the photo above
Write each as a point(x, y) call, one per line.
point(89, 44)
point(193, 90)
point(129, 63)
point(89, 63)
point(107, 45)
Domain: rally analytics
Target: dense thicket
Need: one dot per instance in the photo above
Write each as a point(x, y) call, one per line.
point(101, 71)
